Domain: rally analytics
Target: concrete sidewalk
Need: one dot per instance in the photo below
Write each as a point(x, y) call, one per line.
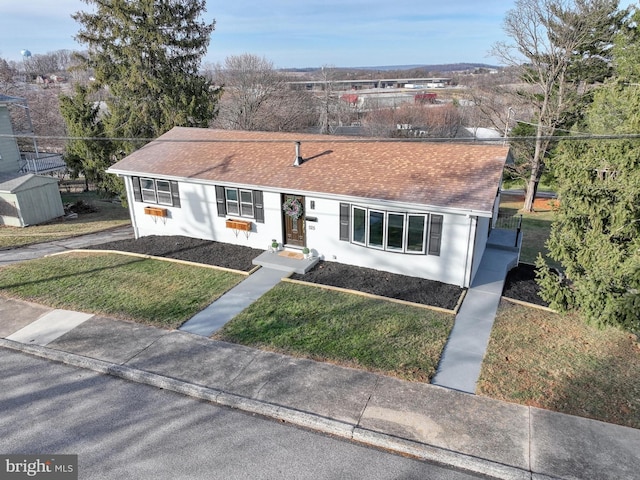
point(429, 422)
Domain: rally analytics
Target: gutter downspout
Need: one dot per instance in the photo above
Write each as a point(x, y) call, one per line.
point(130, 200)
point(473, 227)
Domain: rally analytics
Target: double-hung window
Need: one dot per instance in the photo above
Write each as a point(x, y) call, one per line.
point(239, 201)
point(161, 192)
point(416, 233)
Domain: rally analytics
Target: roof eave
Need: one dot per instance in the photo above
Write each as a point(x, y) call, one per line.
point(389, 204)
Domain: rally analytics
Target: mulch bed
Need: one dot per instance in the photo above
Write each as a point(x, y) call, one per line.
point(179, 247)
point(401, 287)
point(520, 283)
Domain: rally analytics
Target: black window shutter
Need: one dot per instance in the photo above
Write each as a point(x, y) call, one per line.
point(137, 193)
point(175, 193)
point(344, 222)
point(222, 206)
point(435, 234)
point(258, 206)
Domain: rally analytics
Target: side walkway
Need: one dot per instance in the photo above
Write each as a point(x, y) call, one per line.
point(461, 360)
point(39, 250)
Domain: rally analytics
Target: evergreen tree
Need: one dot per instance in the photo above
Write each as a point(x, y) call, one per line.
point(596, 234)
point(147, 55)
point(88, 152)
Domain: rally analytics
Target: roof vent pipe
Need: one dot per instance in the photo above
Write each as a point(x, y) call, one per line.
point(298, 161)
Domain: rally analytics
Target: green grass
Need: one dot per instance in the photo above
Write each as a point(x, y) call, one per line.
point(560, 363)
point(346, 329)
point(155, 292)
point(109, 215)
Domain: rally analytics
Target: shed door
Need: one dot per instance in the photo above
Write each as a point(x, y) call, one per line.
point(294, 228)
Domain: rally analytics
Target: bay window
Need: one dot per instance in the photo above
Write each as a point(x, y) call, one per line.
point(416, 233)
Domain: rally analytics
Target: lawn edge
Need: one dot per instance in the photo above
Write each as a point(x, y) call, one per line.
point(372, 296)
point(530, 305)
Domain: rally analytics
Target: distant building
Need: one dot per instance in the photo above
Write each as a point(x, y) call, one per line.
point(409, 83)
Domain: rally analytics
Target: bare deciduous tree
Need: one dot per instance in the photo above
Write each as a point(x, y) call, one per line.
point(8, 77)
point(249, 83)
point(548, 38)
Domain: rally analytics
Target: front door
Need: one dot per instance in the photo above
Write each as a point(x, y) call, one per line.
point(293, 227)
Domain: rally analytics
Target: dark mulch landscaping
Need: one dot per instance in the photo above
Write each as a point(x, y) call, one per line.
point(520, 283)
point(401, 287)
point(207, 252)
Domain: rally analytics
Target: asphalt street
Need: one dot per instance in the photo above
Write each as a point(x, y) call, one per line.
point(123, 430)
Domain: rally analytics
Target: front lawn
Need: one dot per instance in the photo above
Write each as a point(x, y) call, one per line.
point(346, 329)
point(560, 363)
point(155, 292)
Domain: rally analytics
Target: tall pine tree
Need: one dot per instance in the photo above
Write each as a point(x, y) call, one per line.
point(146, 55)
point(596, 234)
point(87, 153)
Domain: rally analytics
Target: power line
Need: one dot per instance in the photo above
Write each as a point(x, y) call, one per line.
point(580, 137)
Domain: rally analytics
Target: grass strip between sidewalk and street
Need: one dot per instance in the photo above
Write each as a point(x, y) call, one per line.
point(155, 292)
point(345, 329)
point(561, 363)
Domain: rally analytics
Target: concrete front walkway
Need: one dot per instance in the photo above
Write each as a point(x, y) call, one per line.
point(461, 360)
point(212, 318)
point(273, 267)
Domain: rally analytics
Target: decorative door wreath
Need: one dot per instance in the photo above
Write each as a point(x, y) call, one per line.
point(293, 208)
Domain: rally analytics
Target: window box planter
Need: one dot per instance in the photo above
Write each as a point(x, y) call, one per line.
point(243, 225)
point(155, 211)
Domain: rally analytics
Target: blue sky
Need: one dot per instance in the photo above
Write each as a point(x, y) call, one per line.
point(302, 33)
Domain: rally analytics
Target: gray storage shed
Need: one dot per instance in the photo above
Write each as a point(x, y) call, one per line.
point(28, 200)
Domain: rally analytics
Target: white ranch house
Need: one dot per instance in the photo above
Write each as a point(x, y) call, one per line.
point(414, 208)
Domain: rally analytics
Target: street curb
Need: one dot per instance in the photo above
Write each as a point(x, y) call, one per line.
point(289, 415)
point(438, 455)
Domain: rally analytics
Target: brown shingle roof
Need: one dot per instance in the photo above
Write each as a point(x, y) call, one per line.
point(437, 174)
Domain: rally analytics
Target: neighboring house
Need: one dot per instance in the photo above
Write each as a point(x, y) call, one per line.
point(25, 199)
point(415, 208)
